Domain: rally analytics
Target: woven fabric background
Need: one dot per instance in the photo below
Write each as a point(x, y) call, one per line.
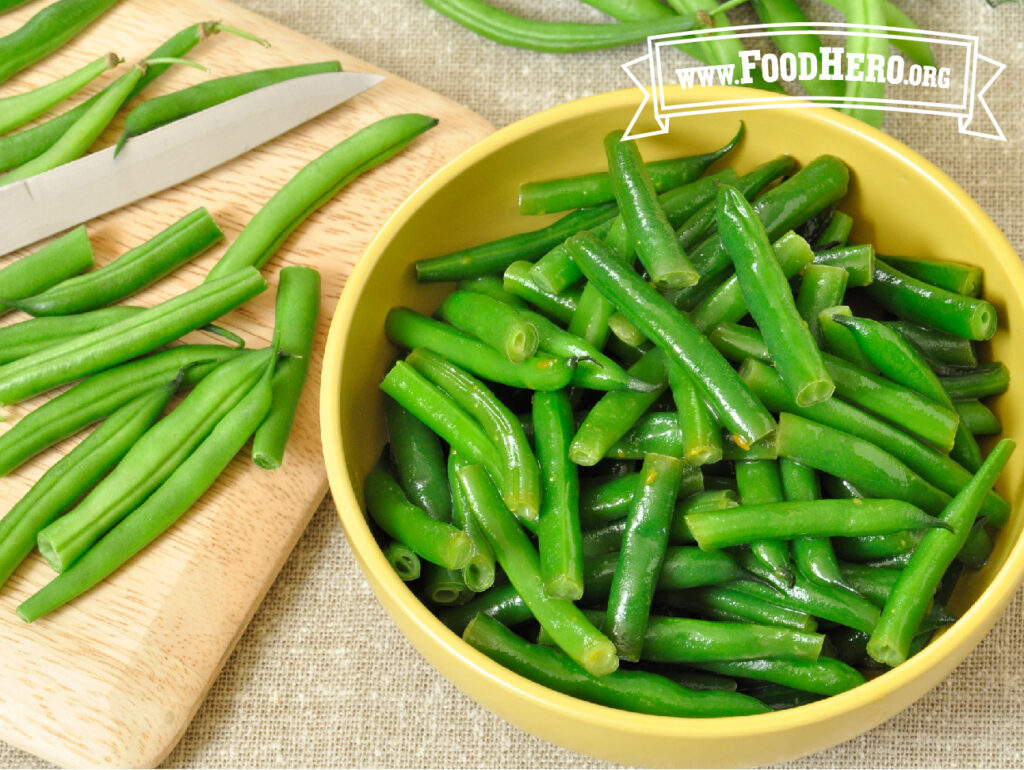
point(322, 678)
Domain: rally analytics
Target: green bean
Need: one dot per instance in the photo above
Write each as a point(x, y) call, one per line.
point(822, 286)
point(479, 572)
point(866, 12)
point(165, 109)
point(444, 587)
point(868, 467)
point(418, 461)
point(630, 10)
point(439, 412)
point(876, 583)
point(726, 303)
point(726, 603)
point(683, 567)
point(151, 460)
point(162, 508)
point(641, 555)
point(403, 560)
point(836, 233)
point(47, 31)
point(131, 272)
point(977, 549)
point(77, 140)
point(10, 5)
point(871, 549)
point(523, 492)
point(906, 605)
point(500, 602)
point(603, 501)
point(26, 337)
point(978, 418)
point(764, 449)
point(840, 340)
point(937, 347)
point(558, 528)
point(315, 184)
point(554, 37)
point(518, 280)
point(594, 189)
point(952, 276)
point(767, 296)
point(637, 691)
point(492, 322)
point(567, 625)
point(983, 381)
point(615, 413)
point(701, 433)
point(101, 395)
point(146, 331)
point(738, 343)
point(825, 676)
point(652, 236)
point(20, 109)
point(67, 480)
point(758, 481)
point(814, 556)
point(788, 12)
point(737, 410)
point(928, 305)
point(493, 286)
point(410, 330)
point(655, 432)
point(23, 146)
point(296, 314)
point(55, 262)
point(682, 640)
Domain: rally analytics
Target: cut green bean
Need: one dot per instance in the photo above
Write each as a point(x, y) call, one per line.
point(836, 233)
point(937, 346)
point(492, 322)
point(983, 381)
point(418, 460)
point(978, 418)
point(951, 276)
point(520, 282)
point(683, 567)
point(814, 557)
point(444, 587)
point(758, 482)
point(603, 501)
point(825, 676)
point(701, 433)
point(479, 572)
point(403, 560)
point(57, 261)
point(822, 286)
point(839, 340)
point(726, 603)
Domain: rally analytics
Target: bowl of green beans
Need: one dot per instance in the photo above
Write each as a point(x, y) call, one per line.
point(692, 451)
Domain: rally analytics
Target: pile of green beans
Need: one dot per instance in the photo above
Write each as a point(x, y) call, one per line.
point(739, 476)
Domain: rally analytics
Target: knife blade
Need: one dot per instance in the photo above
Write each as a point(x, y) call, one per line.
point(78, 191)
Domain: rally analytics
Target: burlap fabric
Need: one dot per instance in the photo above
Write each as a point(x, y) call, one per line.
point(323, 678)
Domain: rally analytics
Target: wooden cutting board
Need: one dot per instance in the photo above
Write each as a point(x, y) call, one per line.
point(115, 677)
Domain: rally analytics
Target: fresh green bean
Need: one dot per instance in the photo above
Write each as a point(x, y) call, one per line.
point(20, 109)
point(131, 272)
point(637, 691)
point(25, 337)
point(47, 31)
point(165, 109)
point(951, 276)
point(296, 314)
point(796, 44)
point(162, 508)
point(67, 480)
point(567, 625)
point(982, 381)
point(642, 553)
point(315, 184)
point(57, 261)
point(733, 404)
point(822, 286)
point(151, 460)
point(978, 418)
point(119, 342)
point(411, 330)
point(906, 605)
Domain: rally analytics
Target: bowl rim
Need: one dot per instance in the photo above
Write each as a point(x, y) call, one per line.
point(974, 623)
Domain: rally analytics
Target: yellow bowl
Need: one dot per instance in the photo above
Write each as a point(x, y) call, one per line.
point(899, 201)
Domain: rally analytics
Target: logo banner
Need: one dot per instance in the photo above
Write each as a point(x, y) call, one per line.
point(955, 89)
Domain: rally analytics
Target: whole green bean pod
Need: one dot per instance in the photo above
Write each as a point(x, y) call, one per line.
point(162, 508)
point(47, 31)
point(101, 395)
point(57, 261)
point(20, 109)
point(411, 330)
point(928, 305)
point(733, 404)
point(567, 625)
point(700, 431)
point(418, 460)
point(906, 605)
point(315, 184)
point(770, 300)
point(523, 493)
point(822, 286)
point(151, 459)
point(67, 480)
point(653, 238)
point(295, 317)
point(641, 554)
point(131, 272)
point(952, 276)
point(636, 691)
point(814, 556)
point(558, 529)
point(161, 110)
point(146, 331)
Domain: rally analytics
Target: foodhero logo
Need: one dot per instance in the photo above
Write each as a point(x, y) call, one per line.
point(839, 73)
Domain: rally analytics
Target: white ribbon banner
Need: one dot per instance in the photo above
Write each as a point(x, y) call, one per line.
point(948, 88)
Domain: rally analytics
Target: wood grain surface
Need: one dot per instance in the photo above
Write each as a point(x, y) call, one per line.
point(115, 677)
